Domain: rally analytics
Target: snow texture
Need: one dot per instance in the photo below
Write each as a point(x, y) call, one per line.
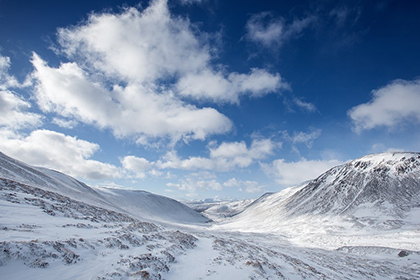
point(55, 227)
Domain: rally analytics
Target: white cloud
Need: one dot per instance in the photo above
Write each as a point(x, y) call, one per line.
point(305, 105)
point(272, 32)
point(191, 186)
point(149, 114)
point(266, 34)
point(6, 80)
point(293, 173)
point(342, 15)
point(190, 2)
point(64, 123)
point(138, 66)
point(306, 138)
point(14, 108)
point(14, 114)
point(137, 46)
point(225, 157)
point(244, 186)
point(208, 85)
point(381, 148)
point(139, 166)
point(395, 104)
point(152, 45)
point(57, 151)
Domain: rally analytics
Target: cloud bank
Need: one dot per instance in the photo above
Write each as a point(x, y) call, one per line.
point(135, 74)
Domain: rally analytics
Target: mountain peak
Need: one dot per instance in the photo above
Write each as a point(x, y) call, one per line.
point(378, 179)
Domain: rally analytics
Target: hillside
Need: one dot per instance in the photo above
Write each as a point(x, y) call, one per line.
point(137, 204)
point(54, 227)
point(389, 183)
point(374, 195)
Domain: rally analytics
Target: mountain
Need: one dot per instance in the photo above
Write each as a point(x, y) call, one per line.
point(217, 210)
point(53, 226)
point(137, 204)
point(389, 183)
point(376, 194)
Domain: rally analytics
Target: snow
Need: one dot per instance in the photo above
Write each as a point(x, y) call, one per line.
point(49, 231)
point(141, 204)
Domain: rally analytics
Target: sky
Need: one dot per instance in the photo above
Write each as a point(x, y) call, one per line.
point(196, 99)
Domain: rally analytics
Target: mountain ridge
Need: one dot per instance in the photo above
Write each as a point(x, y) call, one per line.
point(377, 194)
point(138, 204)
point(392, 178)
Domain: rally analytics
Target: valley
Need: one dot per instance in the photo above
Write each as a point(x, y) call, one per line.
point(53, 226)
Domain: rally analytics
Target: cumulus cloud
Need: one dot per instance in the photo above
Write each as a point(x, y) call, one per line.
point(222, 158)
point(207, 85)
point(143, 67)
point(244, 186)
point(150, 114)
point(14, 108)
point(271, 32)
point(392, 105)
point(293, 173)
point(225, 157)
point(6, 80)
point(14, 112)
point(43, 147)
point(139, 166)
point(57, 151)
point(137, 46)
point(191, 186)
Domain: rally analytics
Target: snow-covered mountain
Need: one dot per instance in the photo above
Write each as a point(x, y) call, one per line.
point(218, 210)
point(55, 227)
point(376, 194)
point(137, 204)
point(389, 183)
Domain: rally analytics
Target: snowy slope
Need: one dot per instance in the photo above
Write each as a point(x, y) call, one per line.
point(389, 183)
point(371, 201)
point(145, 205)
point(138, 204)
point(44, 235)
point(55, 227)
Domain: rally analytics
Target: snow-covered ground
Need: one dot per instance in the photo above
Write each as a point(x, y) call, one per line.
point(55, 227)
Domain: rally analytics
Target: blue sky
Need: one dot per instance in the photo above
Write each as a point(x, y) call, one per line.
point(202, 99)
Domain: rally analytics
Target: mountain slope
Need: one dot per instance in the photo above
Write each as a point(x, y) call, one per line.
point(389, 182)
point(51, 231)
point(137, 204)
point(377, 195)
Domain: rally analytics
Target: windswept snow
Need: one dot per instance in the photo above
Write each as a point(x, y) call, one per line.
point(55, 227)
point(138, 204)
point(372, 201)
